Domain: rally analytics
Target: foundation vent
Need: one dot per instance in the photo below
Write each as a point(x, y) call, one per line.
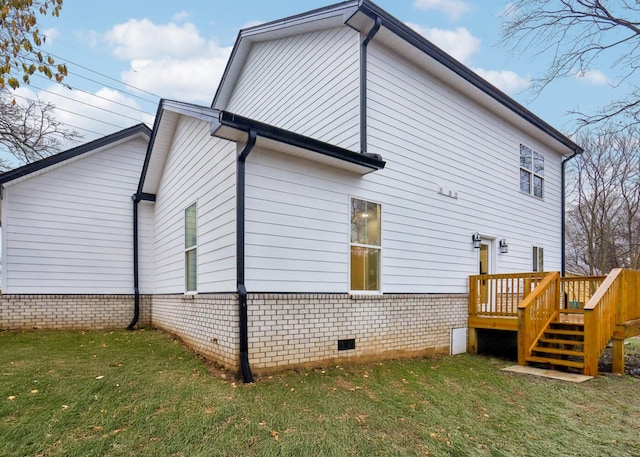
point(345, 345)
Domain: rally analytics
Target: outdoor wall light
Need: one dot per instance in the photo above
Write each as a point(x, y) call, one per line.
point(504, 247)
point(476, 240)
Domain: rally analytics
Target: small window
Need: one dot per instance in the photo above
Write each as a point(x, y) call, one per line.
point(190, 249)
point(365, 245)
point(538, 258)
point(531, 172)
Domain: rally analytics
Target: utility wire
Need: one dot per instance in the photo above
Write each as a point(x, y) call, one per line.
point(104, 76)
point(76, 114)
point(88, 104)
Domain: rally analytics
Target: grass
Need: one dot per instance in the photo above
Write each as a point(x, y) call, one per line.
point(142, 393)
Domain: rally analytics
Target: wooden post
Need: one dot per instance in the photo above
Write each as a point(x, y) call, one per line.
point(590, 344)
point(472, 341)
point(617, 350)
point(527, 288)
point(618, 356)
point(523, 342)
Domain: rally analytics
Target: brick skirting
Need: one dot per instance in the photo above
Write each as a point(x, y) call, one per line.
point(71, 312)
point(287, 330)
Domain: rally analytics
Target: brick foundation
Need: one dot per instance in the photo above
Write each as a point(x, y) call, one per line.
point(71, 312)
point(304, 329)
point(208, 323)
point(288, 330)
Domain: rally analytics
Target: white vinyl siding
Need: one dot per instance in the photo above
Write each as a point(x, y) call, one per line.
point(69, 229)
point(198, 167)
point(432, 136)
point(307, 83)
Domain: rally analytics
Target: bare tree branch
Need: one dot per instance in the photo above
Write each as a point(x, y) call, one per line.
point(578, 35)
point(30, 132)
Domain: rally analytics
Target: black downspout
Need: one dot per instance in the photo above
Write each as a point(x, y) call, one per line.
point(363, 83)
point(563, 214)
point(136, 276)
point(242, 290)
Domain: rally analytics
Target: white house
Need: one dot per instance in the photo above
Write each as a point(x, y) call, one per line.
point(324, 206)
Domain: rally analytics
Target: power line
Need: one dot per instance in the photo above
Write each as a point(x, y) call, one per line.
point(76, 114)
point(88, 104)
point(104, 76)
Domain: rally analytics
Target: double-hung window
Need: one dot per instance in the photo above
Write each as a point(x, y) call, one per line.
point(190, 249)
point(366, 239)
point(531, 172)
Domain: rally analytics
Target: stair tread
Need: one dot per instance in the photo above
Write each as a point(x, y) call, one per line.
point(558, 351)
point(564, 332)
point(566, 363)
point(562, 341)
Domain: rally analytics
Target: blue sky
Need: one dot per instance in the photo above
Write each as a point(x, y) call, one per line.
point(124, 55)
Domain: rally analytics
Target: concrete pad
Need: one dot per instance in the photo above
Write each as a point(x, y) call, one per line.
point(553, 374)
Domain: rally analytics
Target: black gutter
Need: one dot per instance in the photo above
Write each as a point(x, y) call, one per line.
point(240, 254)
point(137, 197)
point(363, 83)
point(369, 160)
point(563, 213)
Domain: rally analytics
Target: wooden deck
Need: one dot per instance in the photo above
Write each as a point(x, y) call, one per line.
point(560, 321)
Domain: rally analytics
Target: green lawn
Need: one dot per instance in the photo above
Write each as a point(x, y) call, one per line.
point(142, 393)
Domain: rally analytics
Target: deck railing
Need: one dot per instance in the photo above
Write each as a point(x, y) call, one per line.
point(536, 311)
point(499, 295)
point(614, 303)
point(576, 291)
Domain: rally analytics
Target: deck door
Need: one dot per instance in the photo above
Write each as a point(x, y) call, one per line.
point(485, 267)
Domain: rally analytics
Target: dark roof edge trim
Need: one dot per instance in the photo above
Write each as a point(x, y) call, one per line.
point(74, 152)
point(421, 43)
point(188, 109)
point(369, 160)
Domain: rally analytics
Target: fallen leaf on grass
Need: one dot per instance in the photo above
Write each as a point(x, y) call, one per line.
point(65, 406)
point(34, 391)
point(99, 377)
point(275, 435)
point(11, 397)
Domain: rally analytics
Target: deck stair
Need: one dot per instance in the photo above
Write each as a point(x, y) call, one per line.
point(561, 345)
point(561, 322)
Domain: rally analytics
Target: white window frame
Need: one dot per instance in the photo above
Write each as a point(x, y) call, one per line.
point(369, 246)
point(188, 249)
point(534, 155)
point(538, 258)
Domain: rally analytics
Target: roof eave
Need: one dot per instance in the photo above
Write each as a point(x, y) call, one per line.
point(421, 43)
point(236, 128)
point(139, 129)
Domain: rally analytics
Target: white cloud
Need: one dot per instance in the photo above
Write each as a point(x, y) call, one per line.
point(186, 66)
point(506, 80)
point(142, 39)
point(193, 80)
point(181, 16)
point(595, 77)
point(452, 8)
point(460, 43)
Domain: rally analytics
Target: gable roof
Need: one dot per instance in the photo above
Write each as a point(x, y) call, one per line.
point(361, 15)
point(233, 127)
point(109, 140)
